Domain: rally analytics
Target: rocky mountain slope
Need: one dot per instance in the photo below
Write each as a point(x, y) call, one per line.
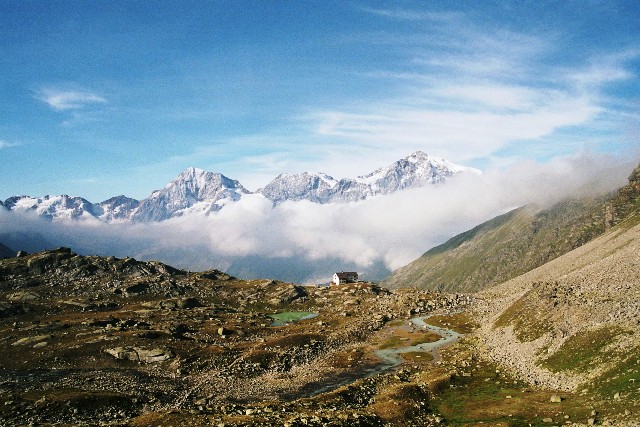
point(574, 323)
point(516, 242)
point(195, 191)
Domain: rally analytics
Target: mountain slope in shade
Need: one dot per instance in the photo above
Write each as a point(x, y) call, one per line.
point(415, 170)
point(5, 252)
point(516, 242)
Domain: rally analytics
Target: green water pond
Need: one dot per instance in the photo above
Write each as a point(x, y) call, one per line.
point(281, 319)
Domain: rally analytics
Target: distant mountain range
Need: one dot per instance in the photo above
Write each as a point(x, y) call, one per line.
point(195, 191)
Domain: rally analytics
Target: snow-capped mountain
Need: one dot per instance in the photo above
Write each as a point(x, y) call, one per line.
point(317, 187)
point(416, 170)
point(50, 207)
point(196, 191)
point(118, 209)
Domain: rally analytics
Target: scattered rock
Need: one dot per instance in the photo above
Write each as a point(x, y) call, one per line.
point(23, 296)
point(32, 340)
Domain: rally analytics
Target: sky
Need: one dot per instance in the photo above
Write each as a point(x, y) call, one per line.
point(101, 98)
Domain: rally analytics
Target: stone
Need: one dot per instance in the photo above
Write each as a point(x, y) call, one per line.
point(591, 422)
point(32, 340)
point(139, 354)
point(555, 398)
point(21, 254)
point(547, 420)
point(23, 296)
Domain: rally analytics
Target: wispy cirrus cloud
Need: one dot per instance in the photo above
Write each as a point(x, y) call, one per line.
point(413, 15)
point(68, 99)
point(5, 144)
point(468, 91)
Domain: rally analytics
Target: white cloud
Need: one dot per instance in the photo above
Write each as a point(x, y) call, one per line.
point(64, 99)
point(413, 15)
point(5, 144)
point(459, 135)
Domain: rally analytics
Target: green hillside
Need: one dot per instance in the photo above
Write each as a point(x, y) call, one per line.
point(517, 242)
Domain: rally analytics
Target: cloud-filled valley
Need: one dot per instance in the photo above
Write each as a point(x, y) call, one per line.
point(305, 242)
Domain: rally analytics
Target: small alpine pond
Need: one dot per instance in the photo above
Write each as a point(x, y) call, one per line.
point(286, 317)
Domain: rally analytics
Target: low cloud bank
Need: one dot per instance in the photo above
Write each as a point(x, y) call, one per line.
point(306, 242)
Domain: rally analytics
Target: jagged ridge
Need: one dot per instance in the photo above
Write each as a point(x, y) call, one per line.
point(201, 192)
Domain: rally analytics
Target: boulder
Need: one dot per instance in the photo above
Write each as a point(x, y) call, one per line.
point(139, 354)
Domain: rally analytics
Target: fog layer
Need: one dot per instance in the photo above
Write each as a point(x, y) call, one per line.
point(307, 242)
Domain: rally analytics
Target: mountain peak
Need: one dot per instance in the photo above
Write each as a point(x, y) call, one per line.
point(415, 170)
point(191, 171)
point(417, 156)
point(193, 190)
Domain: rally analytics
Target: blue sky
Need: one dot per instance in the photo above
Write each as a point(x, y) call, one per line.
point(100, 98)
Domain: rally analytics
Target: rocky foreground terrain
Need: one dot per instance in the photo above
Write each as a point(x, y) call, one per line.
point(89, 340)
point(106, 341)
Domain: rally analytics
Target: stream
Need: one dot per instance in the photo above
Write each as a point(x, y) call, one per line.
point(390, 358)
